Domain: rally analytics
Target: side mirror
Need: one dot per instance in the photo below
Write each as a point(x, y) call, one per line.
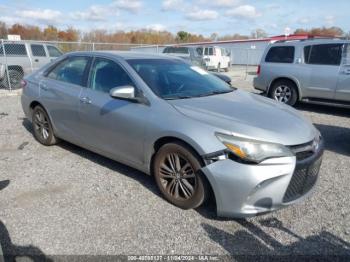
point(123, 92)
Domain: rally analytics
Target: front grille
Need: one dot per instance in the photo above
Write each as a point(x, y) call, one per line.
point(303, 151)
point(303, 179)
point(304, 155)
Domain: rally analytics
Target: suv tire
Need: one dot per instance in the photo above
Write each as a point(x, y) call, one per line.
point(15, 79)
point(284, 91)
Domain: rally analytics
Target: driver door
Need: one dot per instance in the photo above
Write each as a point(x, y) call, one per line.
point(111, 126)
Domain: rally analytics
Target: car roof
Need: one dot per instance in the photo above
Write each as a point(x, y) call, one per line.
point(314, 41)
point(126, 55)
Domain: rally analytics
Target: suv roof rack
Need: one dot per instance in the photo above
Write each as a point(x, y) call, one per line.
point(308, 39)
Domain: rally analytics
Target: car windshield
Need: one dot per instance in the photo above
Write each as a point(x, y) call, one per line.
point(174, 79)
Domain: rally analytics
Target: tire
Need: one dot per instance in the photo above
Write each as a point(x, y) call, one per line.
point(227, 68)
point(42, 127)
point(219, 68)
point(15, 79)
point(284, 91)
point(186, 189)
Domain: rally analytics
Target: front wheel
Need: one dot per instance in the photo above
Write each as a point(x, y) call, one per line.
point(285, 92)
point(177, 173)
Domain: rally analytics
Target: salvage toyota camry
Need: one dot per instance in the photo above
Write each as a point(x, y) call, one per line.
point(194, 133)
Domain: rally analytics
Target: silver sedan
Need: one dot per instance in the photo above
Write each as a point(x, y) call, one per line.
point(197, 136)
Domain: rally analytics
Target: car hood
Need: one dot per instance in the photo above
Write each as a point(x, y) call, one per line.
point(249, 115)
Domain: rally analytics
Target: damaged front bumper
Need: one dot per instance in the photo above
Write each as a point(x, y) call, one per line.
point(243, 190)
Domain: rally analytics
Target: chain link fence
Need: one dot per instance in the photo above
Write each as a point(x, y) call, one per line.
point(19, 58)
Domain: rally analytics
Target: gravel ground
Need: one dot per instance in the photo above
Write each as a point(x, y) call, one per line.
point(64, 200)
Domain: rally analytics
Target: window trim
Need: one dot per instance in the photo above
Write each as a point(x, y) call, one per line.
point(94, 58)
point(43, 46)
point(85, 73)
point(306, 61)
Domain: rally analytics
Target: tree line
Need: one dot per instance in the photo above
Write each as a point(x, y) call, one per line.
point(142, 36)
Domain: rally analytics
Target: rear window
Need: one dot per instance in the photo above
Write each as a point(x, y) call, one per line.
point(280, 54)
point(13, 50)
point(38, 50)
point(325, 54)
point(176, 50)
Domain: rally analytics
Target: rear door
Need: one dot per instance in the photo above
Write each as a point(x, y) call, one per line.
point(322, 62)
point(39, 56)
point(60, 91)
point(343, 86)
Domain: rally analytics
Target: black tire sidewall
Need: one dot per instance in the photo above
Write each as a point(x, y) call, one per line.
point(292, 101)
point(13, 73)
point(200, 191)
point(51, 140)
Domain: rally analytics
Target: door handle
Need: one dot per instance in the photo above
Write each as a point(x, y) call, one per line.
point(36, 60)
point(85, 100)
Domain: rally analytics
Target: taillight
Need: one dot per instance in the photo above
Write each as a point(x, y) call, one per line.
point(258, 70)
point(23, 83)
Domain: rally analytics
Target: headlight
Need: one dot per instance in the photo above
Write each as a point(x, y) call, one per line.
point(253, 150)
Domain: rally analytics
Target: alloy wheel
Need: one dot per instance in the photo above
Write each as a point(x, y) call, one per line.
point(177, 176)
point(41, 125)
point(283, 94)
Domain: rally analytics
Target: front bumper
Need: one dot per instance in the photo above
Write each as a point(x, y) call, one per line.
point(243, 190)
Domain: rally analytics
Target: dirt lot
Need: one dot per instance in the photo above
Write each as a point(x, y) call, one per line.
point(64, 200)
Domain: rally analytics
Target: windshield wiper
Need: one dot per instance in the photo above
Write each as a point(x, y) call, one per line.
point(216, 93)
point(177, 97)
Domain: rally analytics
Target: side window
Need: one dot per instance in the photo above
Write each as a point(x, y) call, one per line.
point(53, 51)
point(325, 54)
point(280, 54)
point(70, 70)
point(106, 74)
point(38, 50)
point(13, 50)
point(199, 51)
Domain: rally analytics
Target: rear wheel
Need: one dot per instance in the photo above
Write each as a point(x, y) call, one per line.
point(15, 79)
point(284, 91)
point(178, 176)
point(42, 127)
point(219, 67)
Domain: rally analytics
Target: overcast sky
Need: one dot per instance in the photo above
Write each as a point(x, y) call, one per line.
point(196, 16)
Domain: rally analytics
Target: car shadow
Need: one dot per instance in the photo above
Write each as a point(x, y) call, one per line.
point(253, 243)
point(337, 139)
point(145, 180)
point(323, 109)
point(11, 252)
